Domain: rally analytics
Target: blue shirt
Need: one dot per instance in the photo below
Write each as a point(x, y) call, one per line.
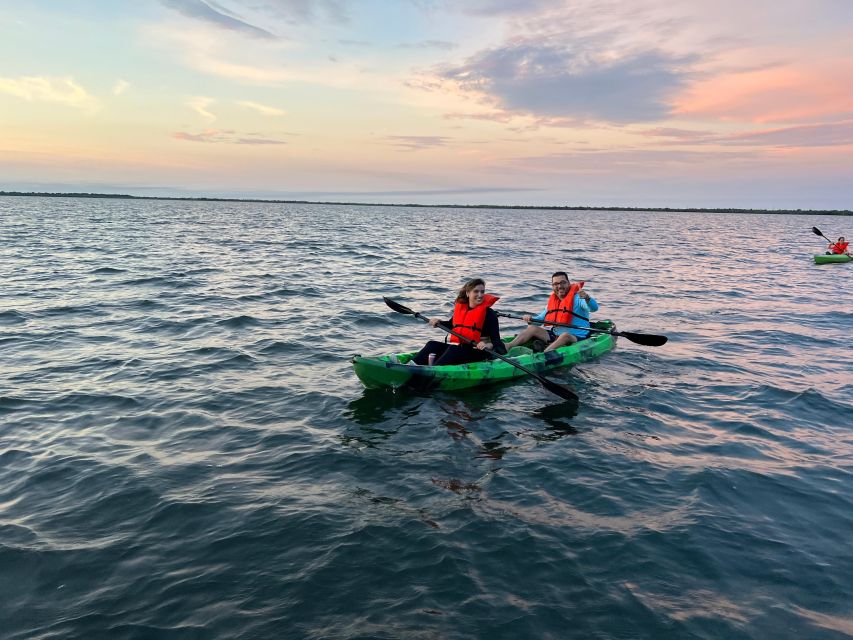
point(580, 310)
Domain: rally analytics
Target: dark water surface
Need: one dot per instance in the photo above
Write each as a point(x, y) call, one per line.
point(186, 453)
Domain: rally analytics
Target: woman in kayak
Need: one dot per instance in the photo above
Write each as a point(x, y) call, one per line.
point(839, 247)
point(472, 318)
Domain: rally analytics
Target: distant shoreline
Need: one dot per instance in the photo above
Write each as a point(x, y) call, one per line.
point(120, 196)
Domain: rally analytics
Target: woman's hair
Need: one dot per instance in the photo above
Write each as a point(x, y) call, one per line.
point(462, 296)
point(840, 239)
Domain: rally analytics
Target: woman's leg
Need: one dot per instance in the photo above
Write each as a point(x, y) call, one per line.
point(454, 354)
point(433, 346)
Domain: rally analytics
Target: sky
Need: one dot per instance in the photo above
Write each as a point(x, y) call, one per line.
point(657, 103)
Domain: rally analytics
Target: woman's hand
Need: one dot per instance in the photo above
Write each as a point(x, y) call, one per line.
point(527, 318)
point(484, 345)
point(433, 322)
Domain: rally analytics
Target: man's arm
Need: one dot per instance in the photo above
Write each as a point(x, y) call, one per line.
point(583, 306)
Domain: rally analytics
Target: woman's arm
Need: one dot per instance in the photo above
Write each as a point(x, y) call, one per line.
point(447, 324)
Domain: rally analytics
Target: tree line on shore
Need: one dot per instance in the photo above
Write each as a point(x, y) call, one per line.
point(121, 196)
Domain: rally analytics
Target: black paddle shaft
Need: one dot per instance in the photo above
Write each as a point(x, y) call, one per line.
point(559, 389)
point(645, 339)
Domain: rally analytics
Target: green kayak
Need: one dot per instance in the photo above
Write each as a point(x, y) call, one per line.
point(394, 371)
point(829, 258)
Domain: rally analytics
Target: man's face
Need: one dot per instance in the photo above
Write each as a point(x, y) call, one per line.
point(560, 285)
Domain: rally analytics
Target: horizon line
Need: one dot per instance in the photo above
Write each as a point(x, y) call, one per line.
point(122, 196)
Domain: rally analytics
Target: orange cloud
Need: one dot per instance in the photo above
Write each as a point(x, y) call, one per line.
point(775, 94)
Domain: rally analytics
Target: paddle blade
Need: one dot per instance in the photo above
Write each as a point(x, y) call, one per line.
point(816, 231)
point(645, 339)
point(396, 306)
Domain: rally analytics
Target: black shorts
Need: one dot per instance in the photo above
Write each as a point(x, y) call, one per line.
point(553, 336)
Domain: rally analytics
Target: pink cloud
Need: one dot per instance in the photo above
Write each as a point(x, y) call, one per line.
point(793, 93)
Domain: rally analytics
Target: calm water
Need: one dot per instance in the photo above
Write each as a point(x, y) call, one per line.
point(186, 453)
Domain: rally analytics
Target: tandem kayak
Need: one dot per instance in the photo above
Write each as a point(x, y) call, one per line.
point(830, 258)
point(394, 371)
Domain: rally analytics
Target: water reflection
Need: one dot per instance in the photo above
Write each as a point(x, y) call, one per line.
point(557, 417)
point(374, 404)
point(460, 415)
point(465, 417)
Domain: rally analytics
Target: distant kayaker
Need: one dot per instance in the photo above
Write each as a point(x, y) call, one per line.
point(472, 318)
point(839, 247)
point(568, 304)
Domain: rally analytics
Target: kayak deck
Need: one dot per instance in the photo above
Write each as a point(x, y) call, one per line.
point(831, 258)
point(394, 371)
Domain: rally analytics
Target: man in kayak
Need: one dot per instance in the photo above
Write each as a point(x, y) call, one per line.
point(568, 304)
point(839, 247)
point(473, 318)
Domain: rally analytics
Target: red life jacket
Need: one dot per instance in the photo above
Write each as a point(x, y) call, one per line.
point(561, 310)
point(469, 322)
point(839, 247)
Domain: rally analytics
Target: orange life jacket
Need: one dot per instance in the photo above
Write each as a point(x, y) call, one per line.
point(839, 247)
point(561, 310)
point(469, 322)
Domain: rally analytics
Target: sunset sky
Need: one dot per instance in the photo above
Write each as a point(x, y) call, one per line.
point(680, 103)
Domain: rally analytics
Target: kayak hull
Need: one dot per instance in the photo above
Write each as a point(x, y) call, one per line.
point(383, 372)
point(831, 258)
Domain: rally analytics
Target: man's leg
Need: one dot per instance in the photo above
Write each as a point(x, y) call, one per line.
point(529, 333)
point(562, 340)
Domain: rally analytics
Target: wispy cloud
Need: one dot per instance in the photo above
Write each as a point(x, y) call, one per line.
point(497, 116)
point(415, 143)
point(263, 75)
point(258, 141)
point(62, 90)
point(209, 135)
point(302, 12)
point(831, 134)
point(631, 161)
point(441, 45)
point(120, 87)
point(223, 136)
point(816, 135)
point(199, 104)
point(201, 10)
point(251, 63)
point(262, 108)
point(498, 7)
point(680, 135)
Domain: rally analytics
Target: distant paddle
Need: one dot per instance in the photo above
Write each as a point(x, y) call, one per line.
point(561, 390)
point(645, 339)
point(817, 232)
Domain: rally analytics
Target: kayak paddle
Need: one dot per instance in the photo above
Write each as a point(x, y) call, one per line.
point(817, 232)
point(560, 389)
point(645, 339)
